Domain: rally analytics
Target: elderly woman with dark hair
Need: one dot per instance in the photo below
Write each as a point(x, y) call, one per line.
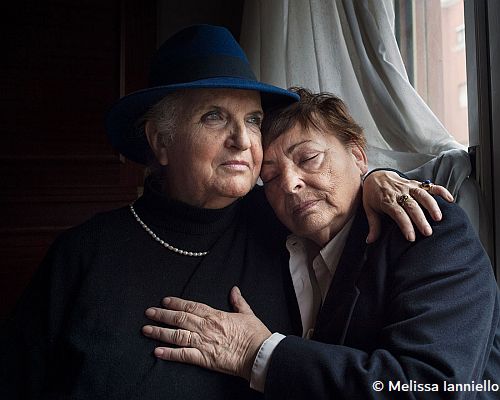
point(198, 230)
point(392, 319)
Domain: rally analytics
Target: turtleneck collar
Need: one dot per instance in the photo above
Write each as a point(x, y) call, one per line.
point(156, 209)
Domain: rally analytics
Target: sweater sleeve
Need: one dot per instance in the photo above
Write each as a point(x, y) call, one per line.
point(32, 332)
point(439, 323)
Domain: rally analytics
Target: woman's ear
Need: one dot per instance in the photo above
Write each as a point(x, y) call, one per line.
point(360, 158)
point(156, 143)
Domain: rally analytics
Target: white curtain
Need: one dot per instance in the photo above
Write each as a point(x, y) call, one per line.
point(347, 47)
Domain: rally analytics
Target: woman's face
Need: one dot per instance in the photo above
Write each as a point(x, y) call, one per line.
point(313, 181)
point(216, 153)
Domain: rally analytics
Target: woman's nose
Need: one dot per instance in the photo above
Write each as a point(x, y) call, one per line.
point(239, 137)
point(291, 181)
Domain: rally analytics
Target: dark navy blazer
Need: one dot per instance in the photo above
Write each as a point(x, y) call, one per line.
point(421, 314)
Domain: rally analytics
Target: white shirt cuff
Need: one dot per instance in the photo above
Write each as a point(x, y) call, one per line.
point(261, 363)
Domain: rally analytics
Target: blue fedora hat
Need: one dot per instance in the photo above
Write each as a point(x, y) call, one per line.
point(200, 56)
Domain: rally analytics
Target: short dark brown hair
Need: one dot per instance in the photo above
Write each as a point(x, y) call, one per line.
point(323, 111)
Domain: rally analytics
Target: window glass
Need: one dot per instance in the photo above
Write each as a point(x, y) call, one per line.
point(431, 37)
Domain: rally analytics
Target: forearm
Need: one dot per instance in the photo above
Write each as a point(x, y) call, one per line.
point(401, 174)
point(439, 316)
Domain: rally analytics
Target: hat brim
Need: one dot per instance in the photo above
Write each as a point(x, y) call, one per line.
point(121, 121)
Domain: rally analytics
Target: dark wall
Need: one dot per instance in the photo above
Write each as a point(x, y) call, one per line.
point(63, 65)
point(174, 15)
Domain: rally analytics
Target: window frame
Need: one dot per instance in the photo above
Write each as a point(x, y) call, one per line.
point(482, 38)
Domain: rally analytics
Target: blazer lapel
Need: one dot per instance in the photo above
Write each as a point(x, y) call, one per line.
point(335, 314)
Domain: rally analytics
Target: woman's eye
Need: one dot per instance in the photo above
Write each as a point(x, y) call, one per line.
point(268, 176)
point(267, 180)
point(305, 160)
point(213, 116)
point(255, 120)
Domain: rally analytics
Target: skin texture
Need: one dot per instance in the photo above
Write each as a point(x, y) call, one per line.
point(216, 153)
point(380, 192)
point(213, 339)
point(314, 184)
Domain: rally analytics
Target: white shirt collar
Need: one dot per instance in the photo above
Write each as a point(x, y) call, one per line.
point(324, 264)
point(333, 250)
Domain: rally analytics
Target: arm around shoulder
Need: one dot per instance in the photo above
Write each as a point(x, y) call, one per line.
point(439, 313)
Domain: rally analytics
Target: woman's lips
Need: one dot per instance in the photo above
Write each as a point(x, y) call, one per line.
point(303, 206)
point(236, 165)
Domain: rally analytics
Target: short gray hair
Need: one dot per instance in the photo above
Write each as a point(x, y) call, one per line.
point(164, 115)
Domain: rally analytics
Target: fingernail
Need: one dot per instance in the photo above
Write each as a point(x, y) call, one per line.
point(150, 312)
point(411, 237)
point(438, 216)
point(147, 330)
point(237, 289)
point(166, 301)
point(158, 351)
point(428, 231)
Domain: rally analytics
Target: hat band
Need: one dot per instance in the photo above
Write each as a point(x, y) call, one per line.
point(189, 70)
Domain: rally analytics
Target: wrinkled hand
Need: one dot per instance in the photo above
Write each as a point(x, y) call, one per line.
point(381, 190)
point(210, 338)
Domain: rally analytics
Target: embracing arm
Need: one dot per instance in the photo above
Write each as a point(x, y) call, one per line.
point(440, 315)
point(381, 190)
point(438, 325)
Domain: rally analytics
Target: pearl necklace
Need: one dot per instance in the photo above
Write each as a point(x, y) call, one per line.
point(162, 242)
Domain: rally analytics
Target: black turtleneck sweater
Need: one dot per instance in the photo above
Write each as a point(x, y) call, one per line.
point(77, 331)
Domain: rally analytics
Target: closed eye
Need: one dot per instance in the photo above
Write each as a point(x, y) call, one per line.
point(305, 160)
point(265, 181)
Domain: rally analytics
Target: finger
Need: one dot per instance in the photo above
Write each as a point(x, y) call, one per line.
point(439, 190)
point(413, 210)
point(191, 307)
point(179, 337)
point(374, 226)
point(179, 319)
point(183, 354)
point(428, 202)
point(238, 302)
point(399, 215)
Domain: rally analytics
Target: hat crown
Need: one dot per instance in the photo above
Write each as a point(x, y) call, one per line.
point(199, 52)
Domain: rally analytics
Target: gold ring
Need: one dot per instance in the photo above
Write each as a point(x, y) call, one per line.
point(403, 199)
point(426, 185)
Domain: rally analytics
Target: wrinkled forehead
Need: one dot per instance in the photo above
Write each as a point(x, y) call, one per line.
point(274, 128)
point(299, 133)
point(298, 143)
point(275, 138)
point(290, 142)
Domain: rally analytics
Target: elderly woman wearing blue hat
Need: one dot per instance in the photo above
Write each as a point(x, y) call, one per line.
point(198, 230)
point(382, 317)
